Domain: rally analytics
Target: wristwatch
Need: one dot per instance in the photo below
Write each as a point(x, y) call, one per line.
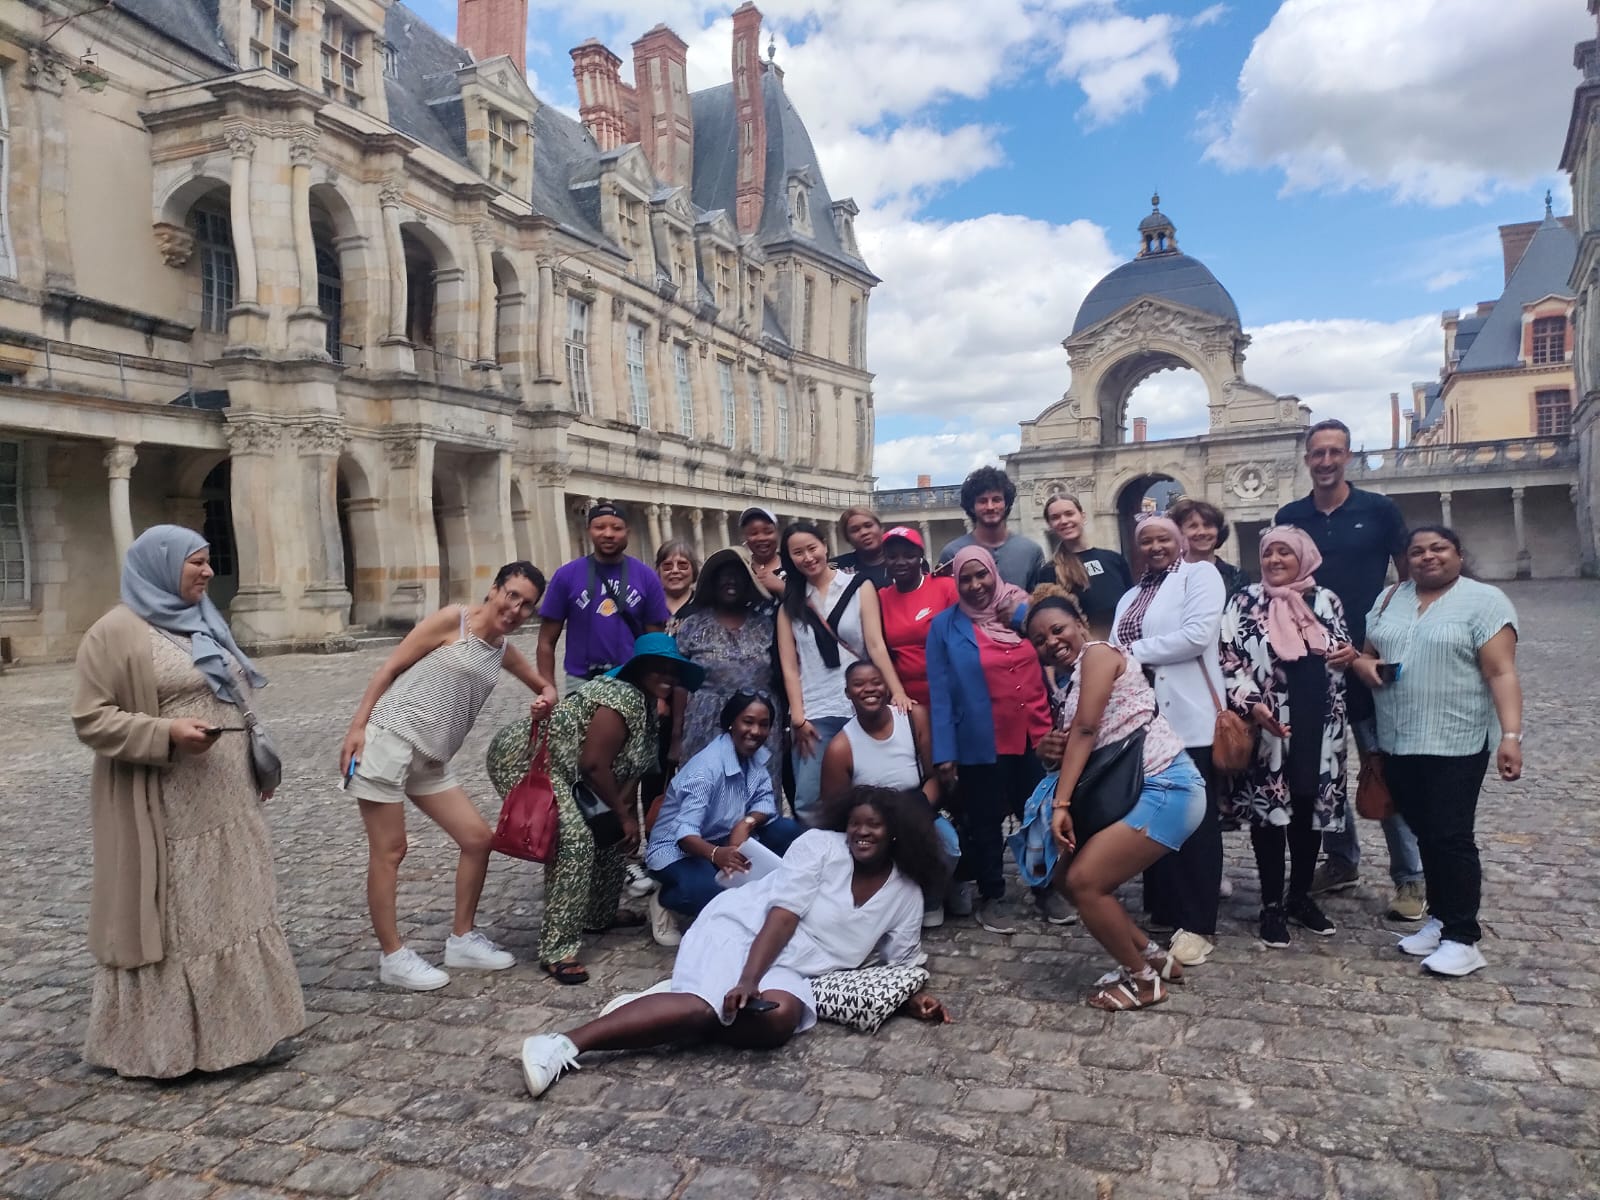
point(1515, 737)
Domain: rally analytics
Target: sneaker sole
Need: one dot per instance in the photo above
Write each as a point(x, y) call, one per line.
point(1331, 888)
point(1391, 915)
point(1314, 929)
point(1419, 953)
point(475, 966)
point(407, 986)
point(1001, 929)
point(1274, 945)
point(1061, 920)
point(1455, 974)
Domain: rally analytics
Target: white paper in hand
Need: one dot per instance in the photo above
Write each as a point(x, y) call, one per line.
point(762, 862)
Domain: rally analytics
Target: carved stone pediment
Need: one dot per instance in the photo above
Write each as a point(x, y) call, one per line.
point(1147, 321)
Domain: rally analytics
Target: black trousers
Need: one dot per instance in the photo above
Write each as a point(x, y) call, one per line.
point(1438, 797)
point(1303, 842)
point(989, 792)
point(1182, 890)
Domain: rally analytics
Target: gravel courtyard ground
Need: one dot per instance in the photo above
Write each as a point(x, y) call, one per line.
point(1332, 1069)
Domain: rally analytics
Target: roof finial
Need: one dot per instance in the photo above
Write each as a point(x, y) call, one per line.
point(772, 46)
point(1547, 202)
point(1155, 199)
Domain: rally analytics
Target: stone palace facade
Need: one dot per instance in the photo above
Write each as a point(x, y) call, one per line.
point(351, 299)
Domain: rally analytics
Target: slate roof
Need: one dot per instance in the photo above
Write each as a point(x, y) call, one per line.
point(1175, 277)
point(192, 24)
point(1542, 271)
point(1467, 330)
point(1432, 406)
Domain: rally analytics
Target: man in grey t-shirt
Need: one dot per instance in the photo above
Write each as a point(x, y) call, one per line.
point(987, 496)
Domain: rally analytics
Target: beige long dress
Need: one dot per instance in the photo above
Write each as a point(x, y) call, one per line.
point(226, 990)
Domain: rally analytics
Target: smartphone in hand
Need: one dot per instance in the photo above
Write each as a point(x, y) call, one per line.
point(760, 1005)
point(1388, 672)
point(349, 774)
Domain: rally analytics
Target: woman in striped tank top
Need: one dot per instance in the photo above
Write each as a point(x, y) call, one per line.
point(413, 717)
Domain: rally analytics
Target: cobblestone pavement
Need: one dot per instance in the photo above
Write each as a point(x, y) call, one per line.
point(1329, 1069)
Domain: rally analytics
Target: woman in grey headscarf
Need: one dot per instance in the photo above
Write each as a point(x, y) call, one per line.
point(194, 970)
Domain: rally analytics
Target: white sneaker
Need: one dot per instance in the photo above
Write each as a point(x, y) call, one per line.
point(1425, 940)
point(544, 1057)
point(474, 952)
point(1190, 948)
point(405, 968)
point(932, 918)
point(1225, 888)
point(629, 997)
point(640, 882)
point(663, 923)
point(1454, 958)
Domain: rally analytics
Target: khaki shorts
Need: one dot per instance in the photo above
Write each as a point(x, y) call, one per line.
point(390, 769)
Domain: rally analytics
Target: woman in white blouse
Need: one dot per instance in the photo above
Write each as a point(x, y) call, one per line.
point(1170, 622)
point(843, 894)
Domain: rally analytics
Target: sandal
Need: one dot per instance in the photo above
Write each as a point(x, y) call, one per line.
point(568, 971)
point(1128, 993)
point(626, 918)
point(1166, 966)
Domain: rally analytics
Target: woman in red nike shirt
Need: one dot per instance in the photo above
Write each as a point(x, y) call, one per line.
point(909, 603)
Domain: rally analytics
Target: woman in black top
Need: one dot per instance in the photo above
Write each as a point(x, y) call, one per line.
point(861, 527)
point(1207, 530)
point(1097, 578)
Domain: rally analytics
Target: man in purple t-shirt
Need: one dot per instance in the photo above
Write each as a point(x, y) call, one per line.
point(604, 601)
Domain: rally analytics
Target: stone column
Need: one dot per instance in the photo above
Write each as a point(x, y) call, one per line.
point(395, 349)
point(320, 442)
point(1524, 559)
point(120, 460)
point(257, 612)
point(653, 515)
point(483, 246)
point(549, 324)
point(928, 548)
point(308, 329)
point(1444, 509)
point(697, 533)
point(409, 499)
point(241, 145)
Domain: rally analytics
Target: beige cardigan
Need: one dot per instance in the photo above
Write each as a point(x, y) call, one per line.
point(116, 714)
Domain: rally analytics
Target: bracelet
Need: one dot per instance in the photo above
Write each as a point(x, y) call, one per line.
point(1061, 808)
point(1515, 737)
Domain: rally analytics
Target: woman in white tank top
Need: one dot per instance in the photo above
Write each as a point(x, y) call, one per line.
point(413, 717)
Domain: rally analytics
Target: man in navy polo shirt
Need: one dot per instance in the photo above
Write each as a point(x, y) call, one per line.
point(1359, 533)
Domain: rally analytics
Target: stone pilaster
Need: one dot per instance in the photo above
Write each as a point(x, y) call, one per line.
point(119, 461)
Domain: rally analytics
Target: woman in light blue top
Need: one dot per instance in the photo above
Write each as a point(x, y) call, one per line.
point(716, 802)
point(1441, 662)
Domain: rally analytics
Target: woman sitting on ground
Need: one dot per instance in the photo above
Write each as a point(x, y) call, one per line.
point(1106, 700)
point(718, 800)
point(845, 893)
point(1284, 650)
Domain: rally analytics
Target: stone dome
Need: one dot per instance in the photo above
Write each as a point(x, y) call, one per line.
point(1172, 276)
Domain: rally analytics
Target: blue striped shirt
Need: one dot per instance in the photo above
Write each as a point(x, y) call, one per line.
point(708, 796)
point(1441, 703)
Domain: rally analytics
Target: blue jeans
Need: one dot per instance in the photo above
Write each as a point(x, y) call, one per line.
point(950, 845)
point(1405, 859)
point(690, 884)
point(808, 771)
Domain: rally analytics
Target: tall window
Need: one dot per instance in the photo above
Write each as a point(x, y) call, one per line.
point(503, 136)
point(8, 262)
point(861, 432)
point(638, 384)
point(341, 58)
point(213, 244)
point(272, 26)
point(680, 372)
point(1552, 411)
point(578, 355)
point(330, 299)
point(758, 416)
point(807, 313)
point(1549, 340)
point(780, 397)
point(854, 334)
point(730, 415)
point(13, 554)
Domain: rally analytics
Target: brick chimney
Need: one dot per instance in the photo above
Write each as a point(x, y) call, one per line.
point(490, 28)
point(750, 110)
point(602, 105)
point(666, 125)
point(1141, 429)
point(924, 481)
point(1394, 420)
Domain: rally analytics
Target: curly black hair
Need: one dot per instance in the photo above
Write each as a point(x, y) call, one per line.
point(740, 701)
point(913, 844)
point(986, 479)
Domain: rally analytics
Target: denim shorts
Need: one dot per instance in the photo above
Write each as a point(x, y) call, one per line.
point(1172, 804)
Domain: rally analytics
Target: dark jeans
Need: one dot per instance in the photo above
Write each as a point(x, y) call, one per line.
point(1183, 889)
point(989, 791)
point(690, 884)
point(1268, 842)
point(1438, 797)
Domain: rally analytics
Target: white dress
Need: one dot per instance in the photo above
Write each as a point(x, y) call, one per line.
point(833, 934)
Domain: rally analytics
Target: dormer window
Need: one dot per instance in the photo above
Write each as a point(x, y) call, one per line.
point(504, 134)
point(800, 184)
point(272, 29)
point(342, 44)
point(631, 225)
point(844, 225)
point(391, 61)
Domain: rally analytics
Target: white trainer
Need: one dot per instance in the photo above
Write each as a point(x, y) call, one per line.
point(474, 952)
point(1425, 940)
point(663, 923)
point(544, 1057)
point(640, 882)
point(1454, 958)
point(629, 997)
point(932, 918)
point(1190, 948)
point(405, 968)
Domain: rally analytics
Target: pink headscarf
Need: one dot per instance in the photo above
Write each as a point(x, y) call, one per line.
point(988, 617)
point(1161, 520)
point(1292, 628)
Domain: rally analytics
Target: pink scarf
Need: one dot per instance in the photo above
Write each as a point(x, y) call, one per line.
point(1292, 628)
point(988, 617)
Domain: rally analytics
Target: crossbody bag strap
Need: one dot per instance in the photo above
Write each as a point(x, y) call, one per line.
point(836, 613)
point(1384, 607)
point(617, 590)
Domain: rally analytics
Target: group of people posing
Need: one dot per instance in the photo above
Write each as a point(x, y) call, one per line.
point(846, 736)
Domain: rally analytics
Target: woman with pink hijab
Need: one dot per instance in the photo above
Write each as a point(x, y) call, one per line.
point(1284, 649)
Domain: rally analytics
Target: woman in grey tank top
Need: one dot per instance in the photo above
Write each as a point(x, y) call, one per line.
point(413, 717)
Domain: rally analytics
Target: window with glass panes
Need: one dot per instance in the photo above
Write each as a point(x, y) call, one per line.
point(578, 355)
point(685, 386)
point(1552, 412)
point(272, 28)
point(503, 136)
point(213, 247)
point(638, 382)
point(758, 415)
point(330, 299)
point(807, 313)
point(853, 346)
point(13, 545)
point(730, 412)
point(780, 399)
point(1549, 340)
point(341, 58)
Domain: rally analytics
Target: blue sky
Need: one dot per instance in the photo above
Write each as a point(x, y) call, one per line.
point(1340, 165)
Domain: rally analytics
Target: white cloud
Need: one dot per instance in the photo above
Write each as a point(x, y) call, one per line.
point(1116, 60)
point(944, 456)
point(1433, 100)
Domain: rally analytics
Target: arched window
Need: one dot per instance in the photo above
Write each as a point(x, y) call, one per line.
point(330, 299)
point(213, 245)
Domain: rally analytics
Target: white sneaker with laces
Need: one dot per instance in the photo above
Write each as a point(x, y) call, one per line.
point(1190, 948)
point(544, 1057)
point(1455, 958)
point(474, 952)
point(640, 882)
point(405, 968)
point(663, 923)
point(629, 997)
point(1425, 940)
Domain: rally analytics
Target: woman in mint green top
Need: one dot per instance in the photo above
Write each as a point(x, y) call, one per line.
point(1440, 659)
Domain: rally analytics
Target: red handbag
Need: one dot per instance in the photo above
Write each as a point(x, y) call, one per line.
point(527, 827)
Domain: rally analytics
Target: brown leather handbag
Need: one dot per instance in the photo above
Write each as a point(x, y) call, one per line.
point(1233, 742)
point(1373, 801)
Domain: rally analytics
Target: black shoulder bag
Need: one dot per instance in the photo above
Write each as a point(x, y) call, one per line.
point(617, 591)
point(1109, 785)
